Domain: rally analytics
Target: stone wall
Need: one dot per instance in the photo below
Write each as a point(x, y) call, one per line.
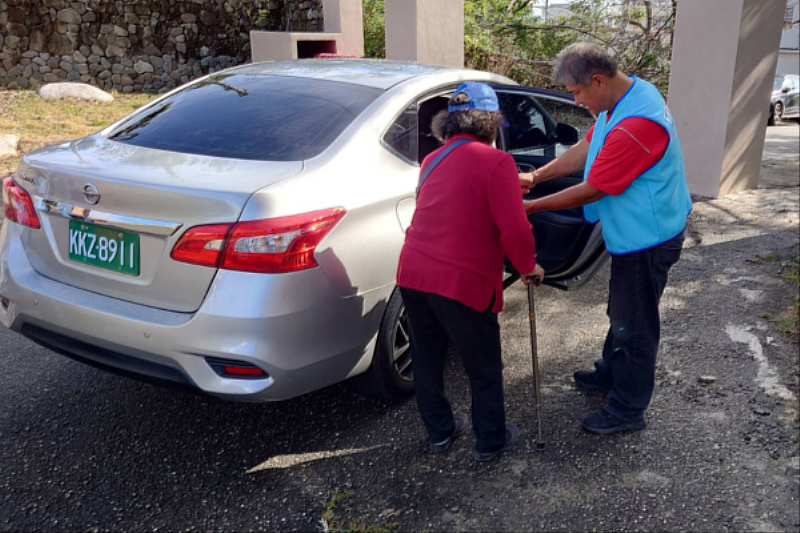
point(136, 45)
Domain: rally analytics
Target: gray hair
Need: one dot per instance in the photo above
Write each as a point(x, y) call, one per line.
point(481, 124)
point(577, 63)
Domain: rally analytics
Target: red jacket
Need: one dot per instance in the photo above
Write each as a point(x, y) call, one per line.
point(469, 215)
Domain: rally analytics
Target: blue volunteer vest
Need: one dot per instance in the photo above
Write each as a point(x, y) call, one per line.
point(653, 209)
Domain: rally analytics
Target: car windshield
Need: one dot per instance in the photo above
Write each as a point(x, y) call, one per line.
point(776, 85)
point(257, 117)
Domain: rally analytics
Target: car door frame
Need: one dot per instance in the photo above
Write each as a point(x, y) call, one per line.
point(593, 255)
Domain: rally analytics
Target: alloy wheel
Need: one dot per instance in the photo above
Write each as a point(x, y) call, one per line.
point(401, 343)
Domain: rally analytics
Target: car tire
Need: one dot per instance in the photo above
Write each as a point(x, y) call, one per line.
point(390, 375)
point(778, 114)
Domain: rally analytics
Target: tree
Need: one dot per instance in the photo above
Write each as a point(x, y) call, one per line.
point(506, 37)
point(374, 29)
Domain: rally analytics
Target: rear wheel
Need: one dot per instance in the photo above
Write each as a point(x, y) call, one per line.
point(391, 375)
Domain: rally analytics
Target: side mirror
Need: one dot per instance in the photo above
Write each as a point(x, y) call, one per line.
point(785, 90)
point(566, 134)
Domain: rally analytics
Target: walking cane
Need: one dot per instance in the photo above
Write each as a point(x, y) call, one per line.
point(535, 357)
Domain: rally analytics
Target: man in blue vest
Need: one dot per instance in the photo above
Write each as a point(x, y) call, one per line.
point(635, 185)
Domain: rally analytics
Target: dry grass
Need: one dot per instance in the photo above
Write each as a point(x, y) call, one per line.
point(39, 123)
point(788, 322)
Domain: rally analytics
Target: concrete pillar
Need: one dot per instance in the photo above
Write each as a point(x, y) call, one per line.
point(723, 65)
point(427, 31)
point(344, 35)
point(345, 17)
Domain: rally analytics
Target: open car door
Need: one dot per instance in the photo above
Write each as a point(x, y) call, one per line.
point(542, 125)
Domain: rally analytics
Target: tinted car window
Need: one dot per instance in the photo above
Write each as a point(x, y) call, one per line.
point(571, 114)
point(267, 118)
point(402, 136)
point(529, 125)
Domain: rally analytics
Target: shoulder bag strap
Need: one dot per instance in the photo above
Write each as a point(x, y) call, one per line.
point(439, 158)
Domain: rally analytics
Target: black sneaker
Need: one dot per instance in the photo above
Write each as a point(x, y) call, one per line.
point(605, 423)
point(591, 381)
point(512, 438)
point(461, 422)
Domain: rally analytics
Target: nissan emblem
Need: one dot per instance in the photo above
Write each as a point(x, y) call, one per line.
point(90, 194)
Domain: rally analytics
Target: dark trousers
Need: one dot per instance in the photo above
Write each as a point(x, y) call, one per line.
point(435, 320)
point(629, 354)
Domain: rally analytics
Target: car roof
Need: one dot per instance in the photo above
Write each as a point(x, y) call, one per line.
point(380, 74)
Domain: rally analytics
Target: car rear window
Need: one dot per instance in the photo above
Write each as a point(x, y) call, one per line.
point(265, 118)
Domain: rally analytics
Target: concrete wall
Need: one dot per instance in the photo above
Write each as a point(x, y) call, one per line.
point(428, 31)
point(135, 45)
point(723, 65)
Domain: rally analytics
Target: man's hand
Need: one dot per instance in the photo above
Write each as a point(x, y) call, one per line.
point(575, 196)
point(531, 206)
point(534, 278)
point(527, 181)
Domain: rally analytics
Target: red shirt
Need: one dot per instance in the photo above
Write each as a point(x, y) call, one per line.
point(469, 216)
point(631, 149)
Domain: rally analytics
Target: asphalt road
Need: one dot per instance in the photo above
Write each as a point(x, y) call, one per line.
point(82, 450)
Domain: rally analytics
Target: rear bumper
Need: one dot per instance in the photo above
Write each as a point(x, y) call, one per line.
point(293, 326)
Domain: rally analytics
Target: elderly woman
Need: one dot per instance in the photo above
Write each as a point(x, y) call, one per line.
point(469, 216)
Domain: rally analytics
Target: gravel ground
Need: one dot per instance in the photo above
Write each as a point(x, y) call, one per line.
point(82, 450)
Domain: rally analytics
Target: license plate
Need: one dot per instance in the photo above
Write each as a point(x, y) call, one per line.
point(103, 247)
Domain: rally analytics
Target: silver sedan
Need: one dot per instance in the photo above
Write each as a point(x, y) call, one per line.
point(241, 234)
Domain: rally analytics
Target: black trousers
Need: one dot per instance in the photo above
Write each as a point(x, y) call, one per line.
point(629, 354)
point(435, 320)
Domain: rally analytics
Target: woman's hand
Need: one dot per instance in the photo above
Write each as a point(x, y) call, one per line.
point(534, 278)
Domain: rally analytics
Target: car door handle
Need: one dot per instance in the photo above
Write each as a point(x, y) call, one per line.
point(525, 167)
point(405, 212)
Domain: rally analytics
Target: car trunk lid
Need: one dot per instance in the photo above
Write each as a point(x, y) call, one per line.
point(144, 200)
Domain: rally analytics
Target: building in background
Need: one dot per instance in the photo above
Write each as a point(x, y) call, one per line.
point(789, 55)
point(548, 10)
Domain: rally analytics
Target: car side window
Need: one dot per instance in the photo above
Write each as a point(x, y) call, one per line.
point(571, 114)
point(530, 127)
point(402, 136)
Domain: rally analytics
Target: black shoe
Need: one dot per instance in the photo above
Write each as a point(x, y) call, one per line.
point(591, 381)
point(512, 438)
point(605, 423)
point(461, 422)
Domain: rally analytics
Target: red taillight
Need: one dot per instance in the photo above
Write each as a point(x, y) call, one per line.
point(18, 204)
point(275, 245)
point(201, 245)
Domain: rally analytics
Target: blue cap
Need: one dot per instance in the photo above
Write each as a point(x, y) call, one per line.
point(481, 98)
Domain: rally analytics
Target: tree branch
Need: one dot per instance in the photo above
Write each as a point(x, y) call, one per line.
point(532, 62)
point(556, 27)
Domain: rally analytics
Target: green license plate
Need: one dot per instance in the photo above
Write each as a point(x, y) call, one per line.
point(103, 247)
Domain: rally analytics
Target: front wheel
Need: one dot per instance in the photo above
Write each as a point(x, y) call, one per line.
point(391, 375)
point(778, 113)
